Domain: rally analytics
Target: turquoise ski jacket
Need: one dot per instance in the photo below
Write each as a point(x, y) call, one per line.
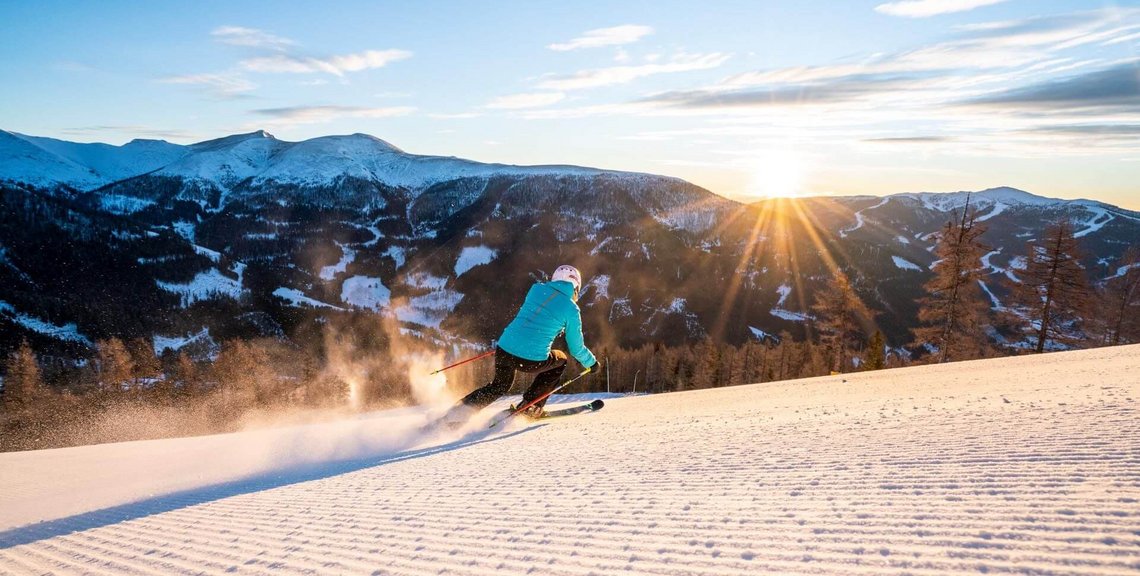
point(549, 310)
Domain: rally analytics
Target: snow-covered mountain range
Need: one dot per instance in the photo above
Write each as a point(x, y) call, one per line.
point(251, 236)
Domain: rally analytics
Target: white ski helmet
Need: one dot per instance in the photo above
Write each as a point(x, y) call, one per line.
point(569, 274)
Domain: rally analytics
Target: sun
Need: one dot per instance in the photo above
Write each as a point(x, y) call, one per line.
point(777, 174)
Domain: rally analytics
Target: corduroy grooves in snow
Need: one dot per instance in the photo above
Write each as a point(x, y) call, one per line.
point(1027, 465)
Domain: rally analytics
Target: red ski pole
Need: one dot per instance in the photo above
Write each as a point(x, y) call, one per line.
point(483, 355)
point(539, 399)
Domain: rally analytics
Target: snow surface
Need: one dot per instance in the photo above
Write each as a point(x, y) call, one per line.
point(365, 292)
point(998, 208)
point(472, 256)
point(396, 253)
point(1021, 465)
point(68, 332)
point(599, 285)
point(47, 162)
point(211, 254)
point(760, 334)
point(430, 309)
point(1123, 270)
point(784, 291)
point(348, 256)
point(297, 299)
point(789, 315)
point(994, 302)
point(905, 264)
point(859, 222)
point(118, 204)
point(204, 286)
point(986, 199)
point(1099, 218)
point(176, 343)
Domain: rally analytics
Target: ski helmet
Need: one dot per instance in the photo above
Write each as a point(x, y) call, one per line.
point(569, 274)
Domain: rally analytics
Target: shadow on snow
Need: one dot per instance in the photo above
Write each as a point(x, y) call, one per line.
point(265, 481)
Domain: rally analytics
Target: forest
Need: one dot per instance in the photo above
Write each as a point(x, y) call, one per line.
point(124, 391)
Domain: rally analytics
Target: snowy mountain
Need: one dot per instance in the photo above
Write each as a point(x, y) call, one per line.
point(250, 236)
point(1008, 466)
point(48, 162)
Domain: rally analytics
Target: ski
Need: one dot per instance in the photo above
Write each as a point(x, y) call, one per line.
point(451, 422)
point(581, 408)
point(590, 407)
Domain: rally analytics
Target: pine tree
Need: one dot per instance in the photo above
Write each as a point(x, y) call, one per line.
point(876, 352)
point(23, 382)
point(840, 319)
point(706, 359)
point(114, 365)
point(1122, 301)
point(953, 314)
point(145, 365)
point(244, 376)
point(184, 378)
point(1054, 292)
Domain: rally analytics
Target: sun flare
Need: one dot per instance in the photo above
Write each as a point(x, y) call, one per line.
point(777, 174)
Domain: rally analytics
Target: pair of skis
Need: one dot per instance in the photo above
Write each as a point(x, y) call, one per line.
point(591, 407)
point(508, 414)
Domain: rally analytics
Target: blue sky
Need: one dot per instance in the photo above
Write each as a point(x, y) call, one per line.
point(745, 98)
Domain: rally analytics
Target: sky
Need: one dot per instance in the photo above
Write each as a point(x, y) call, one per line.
point(749, 99)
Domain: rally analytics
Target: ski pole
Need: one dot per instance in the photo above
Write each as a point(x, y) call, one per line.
point(539, 399)
point(483, 355)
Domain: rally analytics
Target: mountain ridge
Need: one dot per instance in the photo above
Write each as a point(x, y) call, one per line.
point(276, 234)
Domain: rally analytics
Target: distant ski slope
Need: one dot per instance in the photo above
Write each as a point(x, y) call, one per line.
point(1022, 465)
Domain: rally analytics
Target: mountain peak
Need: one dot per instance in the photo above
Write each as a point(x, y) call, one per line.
point(235, 139)
point(378, 141)
point(1014, 196)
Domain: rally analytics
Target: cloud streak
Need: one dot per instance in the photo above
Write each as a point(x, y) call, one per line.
point(529, 100)
point(294, 115)
point(250, 37)
point(928, 8)
point(224, 85)
point(1117, 86)
point(622, 74)
point(335, 65)
point(615, 36)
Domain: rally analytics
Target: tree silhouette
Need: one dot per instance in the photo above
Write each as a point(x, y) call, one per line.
point(840, 318)
point(1054, 292)
point(953, 314)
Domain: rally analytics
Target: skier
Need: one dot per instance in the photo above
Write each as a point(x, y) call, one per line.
point(550, 309)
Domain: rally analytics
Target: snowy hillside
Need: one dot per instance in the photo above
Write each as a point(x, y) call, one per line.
point(256, 156)
point(1023, 465)
point(47, 161)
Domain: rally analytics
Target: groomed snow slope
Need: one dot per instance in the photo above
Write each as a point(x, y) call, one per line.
point(1028, 465)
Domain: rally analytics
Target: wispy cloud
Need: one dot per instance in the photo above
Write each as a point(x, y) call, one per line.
point(1117, 86)
point(528, 100)
point(137, 131)
point(223, 85)
point(454, 116)
point(320, 114)
point(967, 67)
point(623, 74)
point(335, 65)
point(251, 37)
point(927, 8)
point(841, 89)
point(1023, 88)
point(909, 140)
point(615, 36)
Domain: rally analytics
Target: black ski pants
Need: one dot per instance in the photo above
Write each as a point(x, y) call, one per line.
point(506, 364)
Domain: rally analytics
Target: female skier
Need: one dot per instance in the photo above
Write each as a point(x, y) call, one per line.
point(550, 309)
